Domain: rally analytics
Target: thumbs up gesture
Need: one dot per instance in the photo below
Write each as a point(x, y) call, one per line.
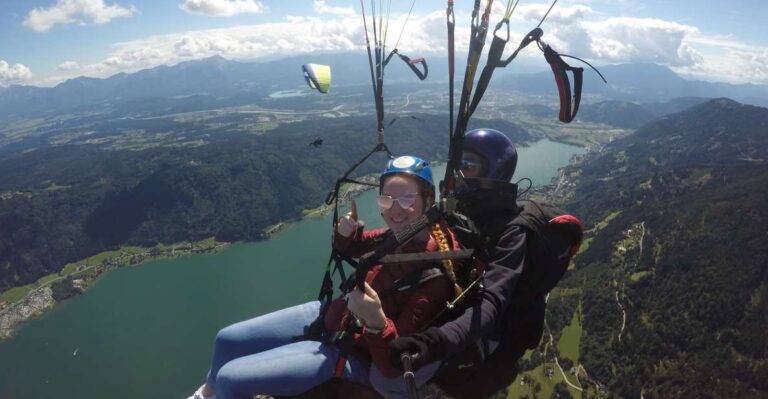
point(367, 307)
point(348, 223)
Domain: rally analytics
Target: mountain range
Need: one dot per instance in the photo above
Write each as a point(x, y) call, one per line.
point(644, 83)
point(673, 279)
point(214, 82)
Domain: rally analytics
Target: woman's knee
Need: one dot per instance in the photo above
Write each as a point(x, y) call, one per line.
point(227, 382)
point(286, 370)
point(230, 336)
point(225, 336)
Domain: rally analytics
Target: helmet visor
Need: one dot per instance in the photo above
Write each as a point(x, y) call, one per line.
point(472, 165)
point(467, 165)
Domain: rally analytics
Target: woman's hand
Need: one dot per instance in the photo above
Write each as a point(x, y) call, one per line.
point(348, 223)
point(366, 306)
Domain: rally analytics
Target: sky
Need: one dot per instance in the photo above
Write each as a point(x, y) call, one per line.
point(45, 42)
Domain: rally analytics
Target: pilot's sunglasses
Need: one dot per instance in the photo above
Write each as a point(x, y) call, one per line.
point(406, 202)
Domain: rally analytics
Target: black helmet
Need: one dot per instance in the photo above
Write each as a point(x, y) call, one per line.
point(496, 149)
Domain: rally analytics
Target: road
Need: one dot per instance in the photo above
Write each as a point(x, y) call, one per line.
point(623, 315)
point(551, 343)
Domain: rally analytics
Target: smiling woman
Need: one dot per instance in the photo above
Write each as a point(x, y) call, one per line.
point(290, 351)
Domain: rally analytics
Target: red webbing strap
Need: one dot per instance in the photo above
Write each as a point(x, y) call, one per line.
point(564, 92)
point(413, 62)
point(450, 21)
point(569, 105)
point(340, 364)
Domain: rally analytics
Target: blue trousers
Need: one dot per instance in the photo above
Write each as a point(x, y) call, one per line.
point(258, 356)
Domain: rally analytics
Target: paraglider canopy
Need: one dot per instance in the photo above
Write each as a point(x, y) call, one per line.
point(318, 76)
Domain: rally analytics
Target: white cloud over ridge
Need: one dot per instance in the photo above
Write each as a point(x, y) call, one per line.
point(321, 7)
point(10, 74)
point(642, 40)
point(75, 11)
point(223, 8)
point(614, 40)
point(68, 66)
point(752, 64)
point(424, 35)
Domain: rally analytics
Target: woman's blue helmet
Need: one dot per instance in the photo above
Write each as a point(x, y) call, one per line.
point(496, 149)
point(409, 165)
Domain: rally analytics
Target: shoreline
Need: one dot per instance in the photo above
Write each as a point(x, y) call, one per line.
point(42, 297)
point(347, 192)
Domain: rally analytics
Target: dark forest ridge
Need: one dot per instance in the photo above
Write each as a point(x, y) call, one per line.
point(677, 215)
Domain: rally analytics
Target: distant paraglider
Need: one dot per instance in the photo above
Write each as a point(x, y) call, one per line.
point(408, 116)
point(317, 142)
point(318, 76)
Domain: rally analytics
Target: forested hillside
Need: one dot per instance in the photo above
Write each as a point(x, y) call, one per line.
point(64, 203)
point(673, 278)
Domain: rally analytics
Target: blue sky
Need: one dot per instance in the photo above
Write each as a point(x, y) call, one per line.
point(44, 42)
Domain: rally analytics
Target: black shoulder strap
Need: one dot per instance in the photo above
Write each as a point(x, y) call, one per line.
point(421, 257)
point(412, 280)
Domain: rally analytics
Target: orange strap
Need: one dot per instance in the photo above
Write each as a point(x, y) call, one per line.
point(339, 372)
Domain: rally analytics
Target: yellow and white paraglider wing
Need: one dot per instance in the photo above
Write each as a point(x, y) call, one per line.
point(318, 76)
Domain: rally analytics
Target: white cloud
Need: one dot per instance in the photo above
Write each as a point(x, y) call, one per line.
point(614, 40)
point(642, 40)
point(683, 48)
point(731, 65)
point(422, 36)
point(558, 15)
point(728, 42)
point(223, 8)
point(241, 42)
point(321, 7)
point(75, 11)
point(16, 73)
point(68, 66)
point(754, 65)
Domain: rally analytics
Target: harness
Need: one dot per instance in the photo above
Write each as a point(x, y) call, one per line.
point(383, 253)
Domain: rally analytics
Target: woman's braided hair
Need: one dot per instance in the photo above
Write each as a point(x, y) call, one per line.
point(442, 243)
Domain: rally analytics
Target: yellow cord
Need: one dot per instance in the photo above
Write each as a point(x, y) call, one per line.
point(442, 243)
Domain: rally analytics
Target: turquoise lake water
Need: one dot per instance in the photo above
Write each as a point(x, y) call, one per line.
point(147, 331)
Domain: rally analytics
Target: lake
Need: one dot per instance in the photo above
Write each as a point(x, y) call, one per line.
point(147, 331)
